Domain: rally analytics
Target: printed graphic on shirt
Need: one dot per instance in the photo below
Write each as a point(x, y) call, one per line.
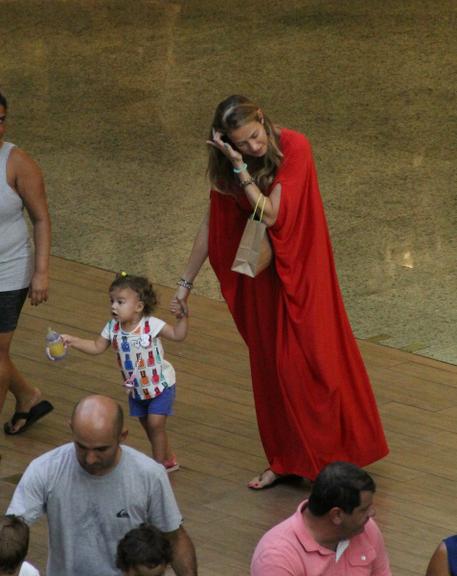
point(140, 357)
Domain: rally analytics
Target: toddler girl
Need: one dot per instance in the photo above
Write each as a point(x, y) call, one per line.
point(135, 337)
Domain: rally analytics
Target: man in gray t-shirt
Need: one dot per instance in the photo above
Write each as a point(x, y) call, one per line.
point(94, 490)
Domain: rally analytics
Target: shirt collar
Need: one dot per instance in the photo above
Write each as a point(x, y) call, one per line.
point(307, 539)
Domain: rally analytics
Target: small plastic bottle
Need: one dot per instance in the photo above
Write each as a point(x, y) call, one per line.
point(55, 347)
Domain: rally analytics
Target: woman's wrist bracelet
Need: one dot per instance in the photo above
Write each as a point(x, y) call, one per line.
point(239, 170)
point(244, 183)
point(185, 283)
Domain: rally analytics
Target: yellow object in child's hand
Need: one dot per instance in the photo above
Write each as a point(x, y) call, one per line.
point(55, 348)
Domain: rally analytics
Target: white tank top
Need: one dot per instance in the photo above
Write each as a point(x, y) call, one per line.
point(16, 262)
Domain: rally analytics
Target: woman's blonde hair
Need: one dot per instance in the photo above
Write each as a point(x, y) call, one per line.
point(232, 113)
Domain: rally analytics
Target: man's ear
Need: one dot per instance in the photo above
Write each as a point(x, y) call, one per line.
point(123, 435)
point(336, 515)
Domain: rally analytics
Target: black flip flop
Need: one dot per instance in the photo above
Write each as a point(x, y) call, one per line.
point(35, 413)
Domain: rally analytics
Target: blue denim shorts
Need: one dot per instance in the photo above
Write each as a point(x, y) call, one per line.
point(161, 404)
point(11, 303)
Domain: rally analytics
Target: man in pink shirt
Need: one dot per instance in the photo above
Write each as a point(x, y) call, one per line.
point(331, 534)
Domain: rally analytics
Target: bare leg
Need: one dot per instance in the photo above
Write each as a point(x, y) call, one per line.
point(155, 427)
point(10, 379)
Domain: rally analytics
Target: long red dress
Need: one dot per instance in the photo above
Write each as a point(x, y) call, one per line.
point(312, 394)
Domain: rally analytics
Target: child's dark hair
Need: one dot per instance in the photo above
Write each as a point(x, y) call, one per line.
point(141, 286)
point(143, 546)
point(14, 543)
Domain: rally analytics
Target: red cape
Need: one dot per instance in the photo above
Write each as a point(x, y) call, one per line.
point(312, 394)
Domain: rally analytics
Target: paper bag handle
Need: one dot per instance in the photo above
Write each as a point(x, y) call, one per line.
point(257, 205)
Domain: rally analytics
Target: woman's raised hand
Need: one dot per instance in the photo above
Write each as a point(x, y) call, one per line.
point(233, 155)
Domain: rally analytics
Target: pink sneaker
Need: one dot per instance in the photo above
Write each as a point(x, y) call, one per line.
point(171, 465)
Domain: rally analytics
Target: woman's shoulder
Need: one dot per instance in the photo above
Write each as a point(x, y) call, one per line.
point(291, 139)
point(20, 156)
point(7, 146)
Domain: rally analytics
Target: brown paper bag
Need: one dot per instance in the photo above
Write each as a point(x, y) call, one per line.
point(254, 252)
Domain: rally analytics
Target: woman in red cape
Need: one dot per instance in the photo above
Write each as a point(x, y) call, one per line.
point(313, 398)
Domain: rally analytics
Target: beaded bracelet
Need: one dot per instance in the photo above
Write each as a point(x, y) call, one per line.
point(239, 170)
point(244, 183)
point(185, 283)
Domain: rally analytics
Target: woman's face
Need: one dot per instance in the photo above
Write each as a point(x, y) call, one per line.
point(250, 139)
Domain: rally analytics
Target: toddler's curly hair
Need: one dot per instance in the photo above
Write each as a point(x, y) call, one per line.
point(139, 284)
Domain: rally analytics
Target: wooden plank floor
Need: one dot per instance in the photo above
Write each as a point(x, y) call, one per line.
point(215, 435)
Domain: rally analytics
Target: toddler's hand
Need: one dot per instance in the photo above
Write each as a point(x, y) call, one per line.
point(67, 340)
point(128, 387)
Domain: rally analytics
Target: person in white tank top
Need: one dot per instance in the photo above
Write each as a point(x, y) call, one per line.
point(22, 271)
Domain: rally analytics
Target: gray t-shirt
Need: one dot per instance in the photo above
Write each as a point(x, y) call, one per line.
point(87, 515)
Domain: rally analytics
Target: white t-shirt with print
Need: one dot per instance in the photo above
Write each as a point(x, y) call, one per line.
point(140, 356)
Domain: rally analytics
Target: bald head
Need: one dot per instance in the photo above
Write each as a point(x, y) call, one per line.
point(97, 426)
point(99, 414)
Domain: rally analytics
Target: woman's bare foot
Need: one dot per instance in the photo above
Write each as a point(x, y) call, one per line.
point(267, 479)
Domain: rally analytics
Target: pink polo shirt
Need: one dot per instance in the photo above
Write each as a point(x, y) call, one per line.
point(288, 549)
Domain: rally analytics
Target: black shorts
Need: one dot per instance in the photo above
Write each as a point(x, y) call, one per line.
point(11, 303)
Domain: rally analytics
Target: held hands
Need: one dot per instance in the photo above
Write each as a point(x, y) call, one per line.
point(181, 308)
point(178, 304)
point(227, 150)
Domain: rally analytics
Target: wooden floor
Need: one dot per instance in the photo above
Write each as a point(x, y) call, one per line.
point(215, 435)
